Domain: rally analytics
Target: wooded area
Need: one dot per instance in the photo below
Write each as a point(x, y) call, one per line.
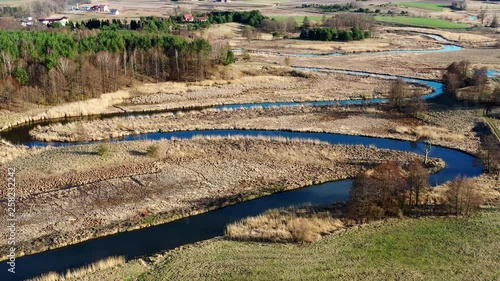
point(54, 67)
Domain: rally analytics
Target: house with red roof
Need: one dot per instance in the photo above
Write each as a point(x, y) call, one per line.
point(188, 17)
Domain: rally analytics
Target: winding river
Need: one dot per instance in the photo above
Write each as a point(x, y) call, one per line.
point(447, 46)
point(150, 240)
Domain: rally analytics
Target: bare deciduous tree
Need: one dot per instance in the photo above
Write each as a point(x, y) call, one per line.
point(379, 192)
point(481, 16)
point(494, 22)
point(251, 33)
point(463, 197)
point(418, 181)
point(398, 93)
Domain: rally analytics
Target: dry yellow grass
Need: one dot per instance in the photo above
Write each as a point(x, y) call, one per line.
point(429, 132)
point(87, 107)
point(301, 225)
point(488, 186)
point(72, 274)
point(9, 151)
point(103, 104)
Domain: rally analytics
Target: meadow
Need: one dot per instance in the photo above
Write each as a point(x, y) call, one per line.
point(423, 5)
point(416, 249)
point(422, 22)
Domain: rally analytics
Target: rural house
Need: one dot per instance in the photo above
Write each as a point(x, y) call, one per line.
point(188, 17)
point(62, 20)
point(114, 12)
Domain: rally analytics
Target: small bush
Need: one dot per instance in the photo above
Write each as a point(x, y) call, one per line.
point(103, 150)
point(287, 61)
point(246, 56)
point(153, 150)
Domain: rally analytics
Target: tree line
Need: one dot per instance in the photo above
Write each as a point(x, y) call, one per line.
point(54, 67)
point(330, 8)
point(148, 24)
point(253, 18)
point(330, 34)
point(341, 27)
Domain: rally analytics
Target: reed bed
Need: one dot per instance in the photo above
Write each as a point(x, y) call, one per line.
point(72, 274)
point(298, 225)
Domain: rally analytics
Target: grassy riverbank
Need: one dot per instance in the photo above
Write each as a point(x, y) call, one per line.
point(416, 249)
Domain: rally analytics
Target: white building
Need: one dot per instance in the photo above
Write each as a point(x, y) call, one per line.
point(114, 12)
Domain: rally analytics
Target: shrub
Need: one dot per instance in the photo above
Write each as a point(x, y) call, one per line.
point(103, 150)
point(153, 150)
point(287, 61)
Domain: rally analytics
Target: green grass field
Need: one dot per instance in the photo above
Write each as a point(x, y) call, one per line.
point(422, 22)
point(411, 249)
point(299, 19)
point(423, 5)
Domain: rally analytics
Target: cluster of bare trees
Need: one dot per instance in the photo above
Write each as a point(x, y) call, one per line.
point(459, 5)
point(288, 25)
point(493, 23)
point(490, 153)
point(386, 191)
point(390, 190)
point(349, 20)
point(251, 33)
point(456, 75)
point(462, 196)
point(92, 74)
point(402, 99)
point(459, 75)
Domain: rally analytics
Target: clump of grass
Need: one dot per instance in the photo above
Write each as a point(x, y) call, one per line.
point(82, 271)
point(103, 150)
point(297, 225)
point(153, 150)
point(429, 132)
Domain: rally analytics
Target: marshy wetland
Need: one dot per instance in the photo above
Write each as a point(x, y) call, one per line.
point(258, 156)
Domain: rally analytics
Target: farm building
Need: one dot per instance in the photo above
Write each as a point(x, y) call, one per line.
point(100, 8)
point(27, 22)
point(114, 12)
point(62, 20)
point(201, 19)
